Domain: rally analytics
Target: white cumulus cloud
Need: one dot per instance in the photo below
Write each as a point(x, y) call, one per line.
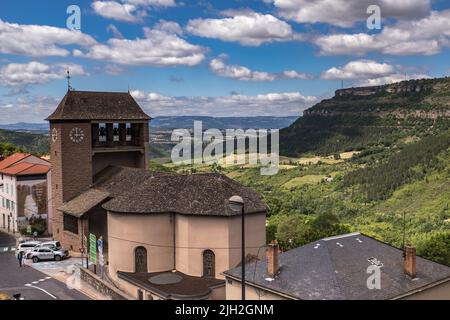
point(39, 40)
point(115, 10)
point(31, 108)
point(221, 68)
point(152, 3)
point(281, 104)
point(345, 13)
point(17, 74)
point(360, 69)
point(370, 73)
point(246, 27)
point(426, 36)
point(128, 10)
point(159, 47)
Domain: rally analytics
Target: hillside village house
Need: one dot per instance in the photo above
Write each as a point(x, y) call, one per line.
point(166, 235)
point(24, 191)
point(335, 268)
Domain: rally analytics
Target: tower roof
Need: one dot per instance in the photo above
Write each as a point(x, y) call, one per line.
point(90, 105)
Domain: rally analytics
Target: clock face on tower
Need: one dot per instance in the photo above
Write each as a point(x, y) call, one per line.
point(54, 135)
point(76, 135)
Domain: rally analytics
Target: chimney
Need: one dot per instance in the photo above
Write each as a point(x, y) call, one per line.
point(409, 263)
point(272, 259)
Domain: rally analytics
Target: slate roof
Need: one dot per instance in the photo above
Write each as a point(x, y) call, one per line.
point(87, 105)
point(84, 202)
point(133, 190)
point(189, 288)
point(324, 270)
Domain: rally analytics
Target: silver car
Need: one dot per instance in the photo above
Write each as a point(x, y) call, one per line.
point(45, 253)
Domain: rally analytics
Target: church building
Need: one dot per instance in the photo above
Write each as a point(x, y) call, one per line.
point(165, 235)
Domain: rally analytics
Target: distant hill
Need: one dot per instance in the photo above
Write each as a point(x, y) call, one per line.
point(33, 137)
point(165, 123)
point(29, 142)
point(23, 126)
point(266, 122)
point(360, 118)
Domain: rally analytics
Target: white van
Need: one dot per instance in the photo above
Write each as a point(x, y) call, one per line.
point(27, 246)
point(50, 244)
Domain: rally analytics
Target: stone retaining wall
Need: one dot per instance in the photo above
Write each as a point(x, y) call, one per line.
point(100, 285)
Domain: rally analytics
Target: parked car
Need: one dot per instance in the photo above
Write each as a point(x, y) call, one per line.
point(50, 244)
point(45, 253)
point(27, 246)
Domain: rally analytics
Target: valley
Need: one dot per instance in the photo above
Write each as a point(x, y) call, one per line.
point(378, 163)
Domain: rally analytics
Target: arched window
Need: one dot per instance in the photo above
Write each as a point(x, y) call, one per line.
point(209, 268)
point(140, 259)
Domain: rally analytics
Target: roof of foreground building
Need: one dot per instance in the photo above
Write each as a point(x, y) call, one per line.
point(335, 268)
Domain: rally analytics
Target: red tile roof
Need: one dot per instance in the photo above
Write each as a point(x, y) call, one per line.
point(25, 169)
point(35, 169)
point(16, 157)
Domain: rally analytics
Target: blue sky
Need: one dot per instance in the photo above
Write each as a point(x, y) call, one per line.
point(218, 58)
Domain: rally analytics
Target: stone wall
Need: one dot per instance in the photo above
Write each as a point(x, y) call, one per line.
point(100, 285)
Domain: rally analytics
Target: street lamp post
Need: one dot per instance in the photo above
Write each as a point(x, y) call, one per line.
point(237, 204)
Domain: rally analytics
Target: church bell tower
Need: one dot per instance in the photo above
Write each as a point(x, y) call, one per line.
point(90, 131)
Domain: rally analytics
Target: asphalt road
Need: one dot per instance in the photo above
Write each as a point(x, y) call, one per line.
point(30, 283)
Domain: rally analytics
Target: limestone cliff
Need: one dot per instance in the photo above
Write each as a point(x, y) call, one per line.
point(359, 117)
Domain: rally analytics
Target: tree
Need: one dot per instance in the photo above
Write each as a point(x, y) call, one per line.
point(7, 149)
point(325, 221)
point(436, 248)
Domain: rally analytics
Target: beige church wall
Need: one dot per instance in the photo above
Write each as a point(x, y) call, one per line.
point(255, 237)
point(196, 234)
point(439, 292)
point(222, 235)
point(126, 232)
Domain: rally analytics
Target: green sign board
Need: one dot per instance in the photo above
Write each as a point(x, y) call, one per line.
point(92, 248)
